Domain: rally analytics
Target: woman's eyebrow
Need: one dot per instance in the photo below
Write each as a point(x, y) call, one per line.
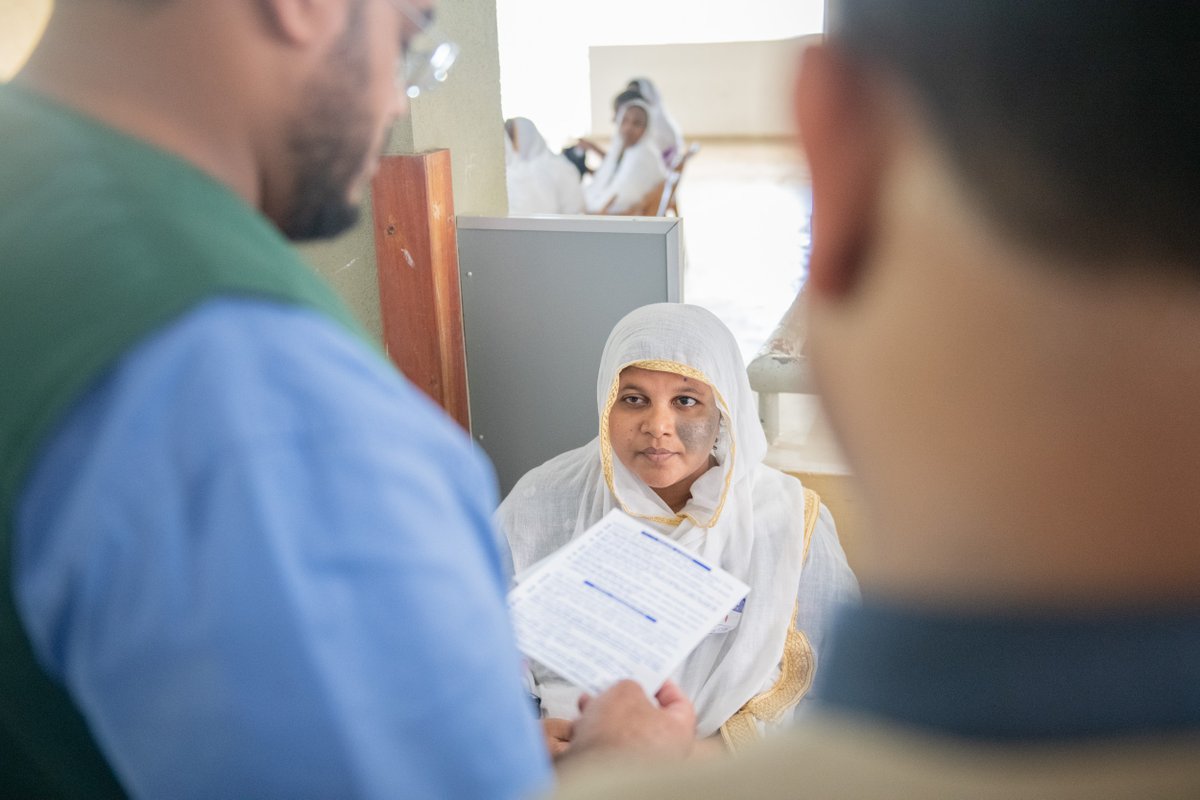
point(685, 389)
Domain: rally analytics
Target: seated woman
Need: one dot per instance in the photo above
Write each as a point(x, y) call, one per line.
point(632, 167)
point(577, 153)
point(539, 181)
point(666, 134)
point(681, 448)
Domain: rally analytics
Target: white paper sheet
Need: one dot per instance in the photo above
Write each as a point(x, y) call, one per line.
point(621, 601)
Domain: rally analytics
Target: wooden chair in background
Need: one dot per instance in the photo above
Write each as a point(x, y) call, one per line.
point(649, 204)
point(660, 201)
point(667, 204)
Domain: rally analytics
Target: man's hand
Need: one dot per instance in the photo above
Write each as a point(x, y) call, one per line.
point(624, 719)
point(558, 735)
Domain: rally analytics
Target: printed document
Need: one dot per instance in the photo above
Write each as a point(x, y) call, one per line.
point(621, 601)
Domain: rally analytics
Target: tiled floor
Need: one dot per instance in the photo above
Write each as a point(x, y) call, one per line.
point(745, 208)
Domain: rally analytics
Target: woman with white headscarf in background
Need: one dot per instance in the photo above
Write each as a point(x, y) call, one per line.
point(681, 448)
point(632, 167)
point(539, 181)
point(667, 135)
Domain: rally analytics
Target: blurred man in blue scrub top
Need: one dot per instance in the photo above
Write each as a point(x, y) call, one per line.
point(240, 555)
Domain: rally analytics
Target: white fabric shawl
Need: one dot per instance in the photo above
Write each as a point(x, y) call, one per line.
point(743, 515)
point(627, 174)
point(667, 135)
point(539, 181)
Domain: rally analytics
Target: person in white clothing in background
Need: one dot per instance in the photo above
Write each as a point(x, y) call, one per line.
point(539, 180)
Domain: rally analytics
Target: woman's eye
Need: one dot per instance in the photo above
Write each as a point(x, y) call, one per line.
point(687, 402)
point(633, 400)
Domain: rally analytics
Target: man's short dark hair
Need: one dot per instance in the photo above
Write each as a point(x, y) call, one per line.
point(1075, 122)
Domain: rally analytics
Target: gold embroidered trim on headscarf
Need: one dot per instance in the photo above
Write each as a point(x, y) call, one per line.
point(795, 668)
point(606, 444)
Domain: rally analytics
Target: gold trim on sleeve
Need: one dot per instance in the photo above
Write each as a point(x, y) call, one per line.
point(796, 666)
point(795, 679)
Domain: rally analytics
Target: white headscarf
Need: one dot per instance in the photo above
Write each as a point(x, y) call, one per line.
point(539, 181)
point(627, 174)
point(742, 515)
point(529, 144)
point(667, 135)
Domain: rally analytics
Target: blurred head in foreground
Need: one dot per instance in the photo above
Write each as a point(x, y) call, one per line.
point(1005, 293)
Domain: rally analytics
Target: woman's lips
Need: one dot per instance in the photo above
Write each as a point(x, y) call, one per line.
point(656, 455)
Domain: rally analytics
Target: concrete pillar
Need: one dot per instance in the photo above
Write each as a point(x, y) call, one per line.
point(463, 115)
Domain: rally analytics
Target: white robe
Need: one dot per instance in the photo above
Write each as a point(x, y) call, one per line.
point(539, 181)
point(743, 515)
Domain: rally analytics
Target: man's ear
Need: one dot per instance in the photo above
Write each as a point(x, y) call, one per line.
point(303, 22)
point(841, 139)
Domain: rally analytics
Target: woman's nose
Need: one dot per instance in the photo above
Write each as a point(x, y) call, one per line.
point(659, 422)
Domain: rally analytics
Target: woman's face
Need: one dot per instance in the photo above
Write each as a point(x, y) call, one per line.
point(663, 427)
point(633, 125)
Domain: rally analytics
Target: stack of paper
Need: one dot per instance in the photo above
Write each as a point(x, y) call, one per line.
point(621, 601)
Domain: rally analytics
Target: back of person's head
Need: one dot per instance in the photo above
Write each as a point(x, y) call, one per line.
point(1003, 300)
point(1075, 124)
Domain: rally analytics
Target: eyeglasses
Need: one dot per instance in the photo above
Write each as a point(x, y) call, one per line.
point(428, 54)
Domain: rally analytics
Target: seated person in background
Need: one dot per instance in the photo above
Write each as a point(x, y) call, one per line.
point(681, 448)
point(539, 181)
point(632, 167)
point(577, 154)
point(667, 135)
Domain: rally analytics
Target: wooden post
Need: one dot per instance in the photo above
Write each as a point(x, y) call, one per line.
point(416, 254)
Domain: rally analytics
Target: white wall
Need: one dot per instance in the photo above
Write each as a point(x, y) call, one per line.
point(718, 89)
point(544, 68)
